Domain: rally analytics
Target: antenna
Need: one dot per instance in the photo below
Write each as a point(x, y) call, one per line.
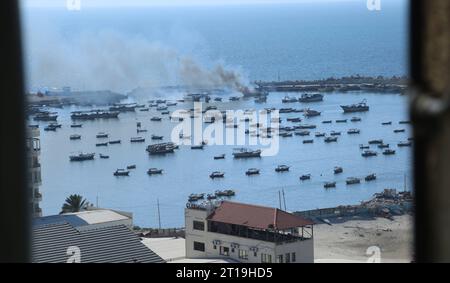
point(279, 198)
point(159, 215)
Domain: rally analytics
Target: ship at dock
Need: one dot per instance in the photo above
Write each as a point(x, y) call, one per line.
point(246, 153)
point(123, 107)
point(311, 97)
point(359, 107)
point(161, 148)
point(94, 114)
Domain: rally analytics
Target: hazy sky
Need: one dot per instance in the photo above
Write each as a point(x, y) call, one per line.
point(110, 3)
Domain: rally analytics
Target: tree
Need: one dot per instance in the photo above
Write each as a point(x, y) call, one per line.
point(74, 203)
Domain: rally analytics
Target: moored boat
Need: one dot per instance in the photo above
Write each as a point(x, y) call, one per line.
point(252, 171)
point(282, 168)
point(82, 157)
point(121, 172)
point(154, 171)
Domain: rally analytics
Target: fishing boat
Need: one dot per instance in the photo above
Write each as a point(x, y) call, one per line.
point(341, 121)
point(306, 126)
point(302, 133)
point(352, 181)
point(338, 170)
point(311, 113)
point(101, 144)
point(285, 110)
point(369, 153)
point(211, 196)
point(165, 112)
point(114, 142)
point(94, 114)
point(141, 131)
point(155, 137)
point(131, 166)
point(294, 119)
point(404, 144)
point(285, 135)
point(404, 122)
point(308, 141)
point(319, 135)
point(121, 172)
point(123, 108)
point(161, 148)
point(161, 108)
point(196, 197)
point(386, 123)
point(101, 135)
point(383, 145)
point(82, 157)
point(45, 116)
point(371, 177)
point(156, 119)
point(334, 133)
point(75, 137)
point(356, 119)
point(216, 174)
point(329, 185)
point(305, 177)
point(353, 131)
point(50, 128)
point(103, 156)
point(399, 131)
point(171, 104)
point(218, 99)
point(376, 141)
point(282, 168)
point(288, 99)
point(154, 171)
point(359, 107)
point(361, 146)
point(200, 146)
point(137, 139)
point(330, 139)
point(327, 122)
point(246, 153)
point(224, 193)
point(389, 152)
point(76, 125)
point(252, 171)
point(144, 109)
point(234, 98)
point(222, 156)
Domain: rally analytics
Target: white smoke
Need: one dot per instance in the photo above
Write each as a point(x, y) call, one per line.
point(118, 62)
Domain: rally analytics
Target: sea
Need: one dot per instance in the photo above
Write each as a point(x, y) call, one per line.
point(266, 42)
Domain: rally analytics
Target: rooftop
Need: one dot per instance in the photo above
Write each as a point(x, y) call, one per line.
point(83, 218)
point(52, 244)
point(257, 217)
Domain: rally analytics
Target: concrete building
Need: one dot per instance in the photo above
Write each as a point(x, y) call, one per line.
point(247, 233)
point(33, 151)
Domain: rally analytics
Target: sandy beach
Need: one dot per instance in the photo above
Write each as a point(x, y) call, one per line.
point(356, 239)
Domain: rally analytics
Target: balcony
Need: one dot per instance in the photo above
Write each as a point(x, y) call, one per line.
point(37, 196)
point(278, 237)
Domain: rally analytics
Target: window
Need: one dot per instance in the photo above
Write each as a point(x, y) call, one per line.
point(198, 225)
point(288, 258)
point(293, 257)
point(280, 259)
point(266, 258)
point(224, 251)
point(243, 254)
point(198, 246)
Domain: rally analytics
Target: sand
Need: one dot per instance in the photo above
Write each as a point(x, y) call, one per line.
point(350, 239)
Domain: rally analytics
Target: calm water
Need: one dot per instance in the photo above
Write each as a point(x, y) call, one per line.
point(298, 41)
point(187, 170)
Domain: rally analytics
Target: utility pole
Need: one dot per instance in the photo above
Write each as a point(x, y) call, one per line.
point(96, 201)
point(159, 215)
point(284, 200)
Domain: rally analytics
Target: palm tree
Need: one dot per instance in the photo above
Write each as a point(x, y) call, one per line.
point(74, 203)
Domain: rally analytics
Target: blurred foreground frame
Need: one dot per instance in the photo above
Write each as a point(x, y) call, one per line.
point(430, 111)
